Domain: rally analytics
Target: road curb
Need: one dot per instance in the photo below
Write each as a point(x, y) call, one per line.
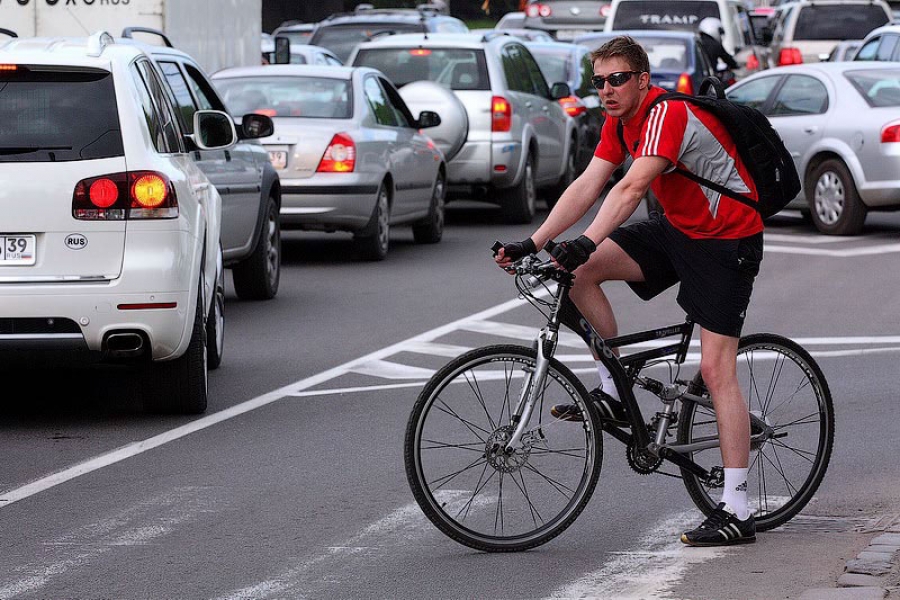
point(874, 571)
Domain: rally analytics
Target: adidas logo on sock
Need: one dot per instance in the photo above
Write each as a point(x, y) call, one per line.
point(741, 488)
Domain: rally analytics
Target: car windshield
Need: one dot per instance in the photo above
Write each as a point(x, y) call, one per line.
point(55, 115)
point(879, 88)
point(307, 97)
point(454, 68)
point(838, 21)
point(660, 14)
point(342, 39)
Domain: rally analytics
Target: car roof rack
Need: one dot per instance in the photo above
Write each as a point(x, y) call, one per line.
point(129, 31)
point(8, 32)
point(98, 42)
point(490, 35)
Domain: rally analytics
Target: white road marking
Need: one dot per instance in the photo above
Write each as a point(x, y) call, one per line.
point(814, 238)
point(435, 349)
point(847, 253)
point(518, 332)
point(648, 573)
point(391, 370)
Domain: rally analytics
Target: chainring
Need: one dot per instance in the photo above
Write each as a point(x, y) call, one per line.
point(642, 461)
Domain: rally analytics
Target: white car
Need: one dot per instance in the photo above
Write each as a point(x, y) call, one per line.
point(109, 230)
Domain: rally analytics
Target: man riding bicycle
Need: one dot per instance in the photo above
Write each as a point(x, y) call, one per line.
point(713, 247)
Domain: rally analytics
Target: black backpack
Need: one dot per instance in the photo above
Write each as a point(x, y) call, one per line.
point(758, 144)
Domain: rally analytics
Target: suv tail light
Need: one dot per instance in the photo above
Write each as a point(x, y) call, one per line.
point(127, 195)
point(790, 56)
point(340, 156)
point(890, 133)
point(685, 85)
point(538, 10)
point(605, 10)
point(501, 114)
point(573, 106)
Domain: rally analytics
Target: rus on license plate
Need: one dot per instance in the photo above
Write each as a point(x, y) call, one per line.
point(16, 249)
point(278, 158)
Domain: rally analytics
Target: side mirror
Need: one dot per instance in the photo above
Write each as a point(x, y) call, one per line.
point(560, 90)
point(282, 50)
point(254, 126)
point(213, 130)
point(428, 119)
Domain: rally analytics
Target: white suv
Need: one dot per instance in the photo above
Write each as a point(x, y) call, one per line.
point(109, 230)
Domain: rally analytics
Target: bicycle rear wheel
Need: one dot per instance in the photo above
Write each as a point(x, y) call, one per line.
point(466, 485)
point(785, 388)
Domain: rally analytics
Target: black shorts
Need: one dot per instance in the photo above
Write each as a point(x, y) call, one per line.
point(716, 275)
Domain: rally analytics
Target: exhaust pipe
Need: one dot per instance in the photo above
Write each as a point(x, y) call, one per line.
point(124, 345)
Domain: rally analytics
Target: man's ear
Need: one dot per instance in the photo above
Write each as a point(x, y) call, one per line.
point(644, 80)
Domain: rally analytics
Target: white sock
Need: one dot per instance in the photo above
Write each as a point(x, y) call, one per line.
point(606, 381)
point(734, 492)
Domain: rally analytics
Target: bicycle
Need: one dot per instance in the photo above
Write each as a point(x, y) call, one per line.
point(483, 421)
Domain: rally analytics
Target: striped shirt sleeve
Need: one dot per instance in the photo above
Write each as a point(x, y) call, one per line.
point(664, 131)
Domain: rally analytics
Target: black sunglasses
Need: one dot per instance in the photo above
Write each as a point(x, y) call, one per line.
point(614, 79)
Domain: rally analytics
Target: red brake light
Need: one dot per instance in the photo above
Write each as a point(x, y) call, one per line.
point(340, 156)
point(605, 10)
point(420, 52)
point(532, 11)
point(9, 68)
point(573, 106)
point(103, 193)
point(127, 195)
point(685, 85)
point(790, 56)
point(752, 63)
point(501, 114)
point(544, 10)
point(891, 133)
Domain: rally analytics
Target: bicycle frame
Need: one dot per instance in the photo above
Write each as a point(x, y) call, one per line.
point(625, 373)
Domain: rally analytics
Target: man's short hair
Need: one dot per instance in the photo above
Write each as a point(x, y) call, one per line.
point(625, 47)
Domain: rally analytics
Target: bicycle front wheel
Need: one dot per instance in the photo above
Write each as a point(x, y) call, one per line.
point(785, 388)
point(467, 483)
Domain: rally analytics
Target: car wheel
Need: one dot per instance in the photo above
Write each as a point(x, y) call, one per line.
point(565, 181)
point(215, 321)
point(431, 230)
point(257, 276)
point(181, 385)
point(373, 241)
point(519, 201)
point(834, 202)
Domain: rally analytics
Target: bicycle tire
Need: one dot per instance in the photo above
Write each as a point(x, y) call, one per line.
point(792, 370)
point(444, 408)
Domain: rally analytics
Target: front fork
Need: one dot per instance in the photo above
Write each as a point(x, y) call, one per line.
point(533, 386)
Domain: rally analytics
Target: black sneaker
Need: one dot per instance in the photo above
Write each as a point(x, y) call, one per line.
point(722, 528)
point(610, 409)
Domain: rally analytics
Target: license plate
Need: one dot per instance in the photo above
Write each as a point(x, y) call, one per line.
point(16, 249)
point(568, 34)
point(278, 158)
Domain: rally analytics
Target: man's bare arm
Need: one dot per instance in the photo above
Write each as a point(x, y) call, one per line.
point(623, 199)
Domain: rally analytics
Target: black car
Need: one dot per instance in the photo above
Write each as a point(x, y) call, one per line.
point(677, 60)
point(571, 63)
point(340, 33)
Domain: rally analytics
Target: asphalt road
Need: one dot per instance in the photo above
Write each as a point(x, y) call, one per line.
point(292, 485)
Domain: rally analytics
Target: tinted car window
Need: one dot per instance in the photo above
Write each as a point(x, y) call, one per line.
point(879, 88)
point(53, 116)
point(838, 22)
point(517, 76)
point(182, 96)
point(660, 14)
point(457, 69)
point(380, 106)
point(755, 92)
point(202, 89)
point(309, 97)
point(868, 51)
point(538, 82)
point(800, 95)
point(160, 119)
point(342, 39)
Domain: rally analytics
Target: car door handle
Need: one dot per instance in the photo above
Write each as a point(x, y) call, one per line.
point(227, 155)
point(545, 108)
point(811, 129)
point(528, 104)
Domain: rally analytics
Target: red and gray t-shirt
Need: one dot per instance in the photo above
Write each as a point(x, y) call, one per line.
point(696, 141)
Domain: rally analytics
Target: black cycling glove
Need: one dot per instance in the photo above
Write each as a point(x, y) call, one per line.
point(571, 254)
point(517, 250)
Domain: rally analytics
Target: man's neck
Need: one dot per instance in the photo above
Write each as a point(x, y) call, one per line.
point(640, 103)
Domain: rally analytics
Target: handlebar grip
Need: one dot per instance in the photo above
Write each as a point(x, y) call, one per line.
point(549, 246)
point(496, 247)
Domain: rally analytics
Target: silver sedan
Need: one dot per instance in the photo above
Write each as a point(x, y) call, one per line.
point(349, 153)
point(841, 123)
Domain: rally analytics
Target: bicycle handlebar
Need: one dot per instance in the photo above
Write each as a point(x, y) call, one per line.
point(532, 266)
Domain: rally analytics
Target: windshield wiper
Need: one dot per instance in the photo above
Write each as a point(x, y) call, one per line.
point(6, 150)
